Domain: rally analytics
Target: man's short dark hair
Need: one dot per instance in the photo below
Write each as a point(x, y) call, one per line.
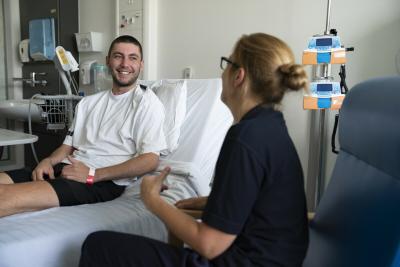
point(126, 39)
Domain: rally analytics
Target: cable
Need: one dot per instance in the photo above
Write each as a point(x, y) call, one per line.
point(30, 128)
point(333, 137)
point(75, 84)
point(71, 82)
point(342, 73)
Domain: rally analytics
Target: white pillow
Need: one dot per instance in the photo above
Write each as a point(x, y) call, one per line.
point(172, 93)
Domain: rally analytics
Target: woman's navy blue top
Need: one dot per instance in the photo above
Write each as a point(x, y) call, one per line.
point(258, 194)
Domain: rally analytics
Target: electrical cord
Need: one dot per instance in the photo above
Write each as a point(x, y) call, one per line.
point(72, 82)
point(342, 74)
point(30, 128)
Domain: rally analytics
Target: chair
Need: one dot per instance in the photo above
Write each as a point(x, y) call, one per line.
point(357, 222)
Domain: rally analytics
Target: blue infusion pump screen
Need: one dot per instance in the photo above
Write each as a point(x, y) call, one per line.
point(324, 87)
point(324, 42)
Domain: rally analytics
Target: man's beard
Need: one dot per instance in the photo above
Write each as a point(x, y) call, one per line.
point(125, 84)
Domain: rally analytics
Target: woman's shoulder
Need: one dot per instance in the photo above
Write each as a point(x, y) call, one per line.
point(265, 123)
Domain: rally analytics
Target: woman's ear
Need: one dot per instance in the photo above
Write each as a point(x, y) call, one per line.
point(240, 75)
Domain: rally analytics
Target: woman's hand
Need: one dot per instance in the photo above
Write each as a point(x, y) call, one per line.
point(195, 203)
point(151, 187)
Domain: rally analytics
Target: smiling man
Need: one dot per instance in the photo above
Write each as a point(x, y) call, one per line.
point(125, 63)
point(116, 136)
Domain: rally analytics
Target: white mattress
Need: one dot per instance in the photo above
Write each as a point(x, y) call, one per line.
point(54, 237)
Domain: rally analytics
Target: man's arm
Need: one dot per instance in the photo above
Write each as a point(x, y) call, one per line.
point(46, 165)
point(134, 167)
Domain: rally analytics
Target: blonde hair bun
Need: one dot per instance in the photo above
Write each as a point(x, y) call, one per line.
point(293, 76)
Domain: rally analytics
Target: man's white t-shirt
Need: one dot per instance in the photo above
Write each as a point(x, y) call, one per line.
point(110, 129)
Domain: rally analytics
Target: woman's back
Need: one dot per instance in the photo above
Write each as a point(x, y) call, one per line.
point(258, 194)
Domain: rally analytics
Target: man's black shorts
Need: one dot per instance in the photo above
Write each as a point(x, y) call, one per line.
point(71, 192)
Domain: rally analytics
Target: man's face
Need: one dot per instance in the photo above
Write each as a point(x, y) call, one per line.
point(125, 63)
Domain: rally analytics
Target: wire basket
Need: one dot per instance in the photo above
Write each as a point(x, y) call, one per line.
point(57, 110)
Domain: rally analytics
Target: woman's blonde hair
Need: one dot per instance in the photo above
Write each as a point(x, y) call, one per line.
point(269, 65)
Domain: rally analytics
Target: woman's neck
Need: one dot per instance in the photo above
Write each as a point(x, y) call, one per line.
point(240, 109)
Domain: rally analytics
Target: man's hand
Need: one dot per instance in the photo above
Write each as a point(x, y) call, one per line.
point(151, 187)
point(44, 167)
point(76, 171)
point(195, 203)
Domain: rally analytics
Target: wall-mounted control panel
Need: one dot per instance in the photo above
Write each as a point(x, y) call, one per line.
point(130, 18)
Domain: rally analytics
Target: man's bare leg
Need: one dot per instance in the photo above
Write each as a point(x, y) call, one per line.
point(5, 179)
point(30, 196)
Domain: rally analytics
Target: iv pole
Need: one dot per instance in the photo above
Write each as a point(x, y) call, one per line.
point(318, 136)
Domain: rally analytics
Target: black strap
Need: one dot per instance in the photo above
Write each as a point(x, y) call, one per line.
point(333, 138)
point(344, 90)
point(342, 74)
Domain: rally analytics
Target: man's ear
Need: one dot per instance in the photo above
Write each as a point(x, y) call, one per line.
point(240, 75)
point(141, 65)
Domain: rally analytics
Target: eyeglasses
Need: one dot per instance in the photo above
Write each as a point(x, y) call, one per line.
point(225, 61)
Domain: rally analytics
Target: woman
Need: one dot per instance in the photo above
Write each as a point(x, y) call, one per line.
point(256, 212)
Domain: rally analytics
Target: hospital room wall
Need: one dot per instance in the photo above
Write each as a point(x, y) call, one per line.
point(196, 33)
point(192, 33)
point(97, 16)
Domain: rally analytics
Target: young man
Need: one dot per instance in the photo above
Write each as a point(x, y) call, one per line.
point(116, 136)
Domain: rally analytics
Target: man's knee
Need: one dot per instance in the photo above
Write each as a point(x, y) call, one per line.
point(5, 178)
point(2, 190)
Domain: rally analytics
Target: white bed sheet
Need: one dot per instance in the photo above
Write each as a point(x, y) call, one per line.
point(54, 237)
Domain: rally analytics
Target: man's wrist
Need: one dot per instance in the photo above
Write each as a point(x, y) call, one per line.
point(50, 161)
point(90, 177)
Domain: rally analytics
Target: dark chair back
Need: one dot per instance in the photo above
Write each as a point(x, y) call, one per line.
point(357, 222)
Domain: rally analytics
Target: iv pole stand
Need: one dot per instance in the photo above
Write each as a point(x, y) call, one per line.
point(318, 137)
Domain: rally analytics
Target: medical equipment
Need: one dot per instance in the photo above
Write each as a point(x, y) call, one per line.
point(325, 88)
point(324, 42)
point(42, 39)
point(322, 51)
point(23, 49)
point(89, 41)
point(86, 71)
point(57, 110)
point(66, 63)
point(101, 78)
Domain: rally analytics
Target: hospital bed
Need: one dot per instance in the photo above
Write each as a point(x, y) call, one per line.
point(54, 237)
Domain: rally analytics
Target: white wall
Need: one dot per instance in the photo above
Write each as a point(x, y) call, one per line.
point(97, 16)
point(197, 33)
